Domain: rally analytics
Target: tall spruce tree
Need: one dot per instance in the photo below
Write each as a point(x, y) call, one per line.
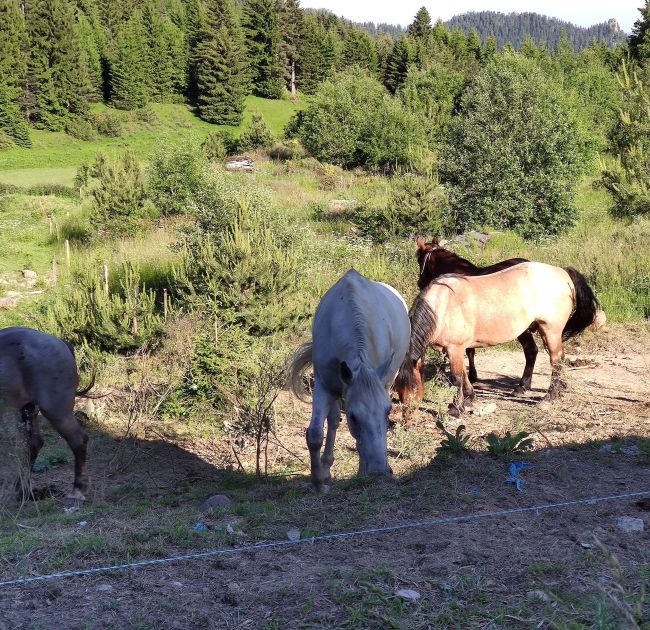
point(219, 65)
point(421, 26)
point(58, 76)
point(359, 50)
point(318, 55)
point(262, 37)
point(398, 64)
point(12, 122)
point(291, 21)
point(640, 37)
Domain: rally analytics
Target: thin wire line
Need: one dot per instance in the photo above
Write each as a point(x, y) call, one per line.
point(323, 537)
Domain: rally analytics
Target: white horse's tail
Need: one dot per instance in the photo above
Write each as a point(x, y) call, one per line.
point(301, 361)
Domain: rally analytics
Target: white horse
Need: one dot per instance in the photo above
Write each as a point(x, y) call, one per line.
point(360, 336)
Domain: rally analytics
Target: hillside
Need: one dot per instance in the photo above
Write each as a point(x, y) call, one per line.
point(513, 28)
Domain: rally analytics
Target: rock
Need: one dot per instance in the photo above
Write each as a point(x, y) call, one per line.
point(408, 594)
point(342, 205)
point(485, 410)
point(216, 501)
point(540, 596)
point(293, 534)
point(240, 164)
point(630, 524)
point(633, 450)
point(200, 527)
point(8, 302)
point(607, 448)
point(104, 588)
point(29, 274)
point(177, 584)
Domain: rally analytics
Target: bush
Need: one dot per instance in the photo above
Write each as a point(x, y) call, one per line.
point(353, 121)
point(256, 134)
point(409, 205)
point(175, 174)
point(283, 152)
point(107, 123)
point(56, 190)
point(514, 154)
point(80, 128)
point(6, 141)
point(218, 145)
point(119, 207)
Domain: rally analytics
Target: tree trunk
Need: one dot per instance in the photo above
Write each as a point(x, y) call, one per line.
point(293, 79)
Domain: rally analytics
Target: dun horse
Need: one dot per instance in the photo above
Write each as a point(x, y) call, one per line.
point(435, 261)
point(458, 312)
point(360, 335)
point(39, 372)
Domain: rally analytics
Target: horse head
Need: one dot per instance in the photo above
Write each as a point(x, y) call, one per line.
point(367, 408)
point(427, 256)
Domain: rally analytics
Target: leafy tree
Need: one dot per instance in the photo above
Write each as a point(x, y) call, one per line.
point(262, 36)
point(421, 26)
point(219, 66)
point(515, 153)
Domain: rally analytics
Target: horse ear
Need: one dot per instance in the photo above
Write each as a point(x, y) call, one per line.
point(435, 240)
point(421, 243)
point(346, 373)
point(382, 370)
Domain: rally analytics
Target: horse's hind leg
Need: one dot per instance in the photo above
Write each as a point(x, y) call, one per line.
point(473, 374)
point(70, 430)
point(29, 416)
point(527, 342)
point(333, 421)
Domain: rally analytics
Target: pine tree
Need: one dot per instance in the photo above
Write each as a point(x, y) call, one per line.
point(490, 48)
point(58, 75)
point(14, 44)
point(318, 56)
point(474, 44)
point(398, 64)
point(12, 122)
point(359, 50)
point(130, 69)
point(291, 20)
point(529, 48)
point(262, 37)
point(219, 65)
point(421, 26)
point(640, 38)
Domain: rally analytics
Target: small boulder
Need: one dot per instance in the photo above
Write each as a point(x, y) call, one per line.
point(214, 502)
point(8, 302)
point(630, 524)
point(293, 534)
point(29, 274)
point(485, 410)
point(339, 206)
point(539, 596)
point(408, 595)
point(104, 588)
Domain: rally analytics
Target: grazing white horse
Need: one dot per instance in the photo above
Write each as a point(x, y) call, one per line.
point(360, 335)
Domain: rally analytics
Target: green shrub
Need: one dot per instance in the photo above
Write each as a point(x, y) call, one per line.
point(6, 141)
point(217, 145)
point(56, 190)
point(256, 134)
point(508, 444)
point(453, 443)
point(283, 152)
point(80, 128)
point(409, 205)
point(353, 121)
point(515, 152)
point(119, 207)
point(175, 174)
point(107, 123)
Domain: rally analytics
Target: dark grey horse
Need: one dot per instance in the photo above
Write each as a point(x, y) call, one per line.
point(38, 372)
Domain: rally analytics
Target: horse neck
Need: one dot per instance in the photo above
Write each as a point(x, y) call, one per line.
point(447, 262)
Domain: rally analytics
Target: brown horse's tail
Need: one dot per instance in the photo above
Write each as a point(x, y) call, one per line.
point(301, 361)
point(423, 324)
point(585, 305)
point(83, 393)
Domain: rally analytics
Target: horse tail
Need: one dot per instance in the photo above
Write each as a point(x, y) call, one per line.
point(302, 359)
point(423, 324)
point(585, 305)
point(83, 393)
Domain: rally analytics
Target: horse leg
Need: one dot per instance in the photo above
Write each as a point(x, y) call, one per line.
point(459, 378)
point(527, 342)
point(70, 430)
point(321, 405)
point(553, 341)
point(29, 415)
point(473, 375)
point(333, 421)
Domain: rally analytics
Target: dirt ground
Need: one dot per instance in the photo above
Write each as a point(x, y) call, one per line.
point(565, 568)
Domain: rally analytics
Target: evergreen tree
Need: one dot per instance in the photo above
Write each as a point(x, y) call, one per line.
point(14, 44)
point(318, 55)
point(219, 65)
point(58, 75)
point(529, 48)
point(291, 20)
point(12, 122)
point(398, 64)
point(421, 26)
point(131, 66)
point(262, 37)
point(474, 44)
point(359, 50)
point(490, 48)
point(383, 48)
point(640, 37)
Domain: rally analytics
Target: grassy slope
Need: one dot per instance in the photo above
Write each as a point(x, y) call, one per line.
point(54, 157)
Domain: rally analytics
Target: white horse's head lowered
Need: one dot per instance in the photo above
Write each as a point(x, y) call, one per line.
point(367, 408)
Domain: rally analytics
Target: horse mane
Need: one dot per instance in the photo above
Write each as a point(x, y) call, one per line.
point(423, 323)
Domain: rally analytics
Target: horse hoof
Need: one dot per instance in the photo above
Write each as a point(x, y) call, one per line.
point(473, 378)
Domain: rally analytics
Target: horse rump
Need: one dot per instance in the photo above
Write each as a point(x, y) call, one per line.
point(585, 306)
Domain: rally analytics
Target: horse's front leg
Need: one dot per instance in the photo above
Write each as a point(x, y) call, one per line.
point(333, 421)
point(460, 379)
point(527, 342)
point(321, 405)
point(553, 341)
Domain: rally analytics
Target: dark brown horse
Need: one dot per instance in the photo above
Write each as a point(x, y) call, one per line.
point(38, 372)
point(435, 261)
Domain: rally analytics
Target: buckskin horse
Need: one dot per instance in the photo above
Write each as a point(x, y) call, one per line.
point(360, 335)
point(435, 261)
point(457, 312)
point(38, 372)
